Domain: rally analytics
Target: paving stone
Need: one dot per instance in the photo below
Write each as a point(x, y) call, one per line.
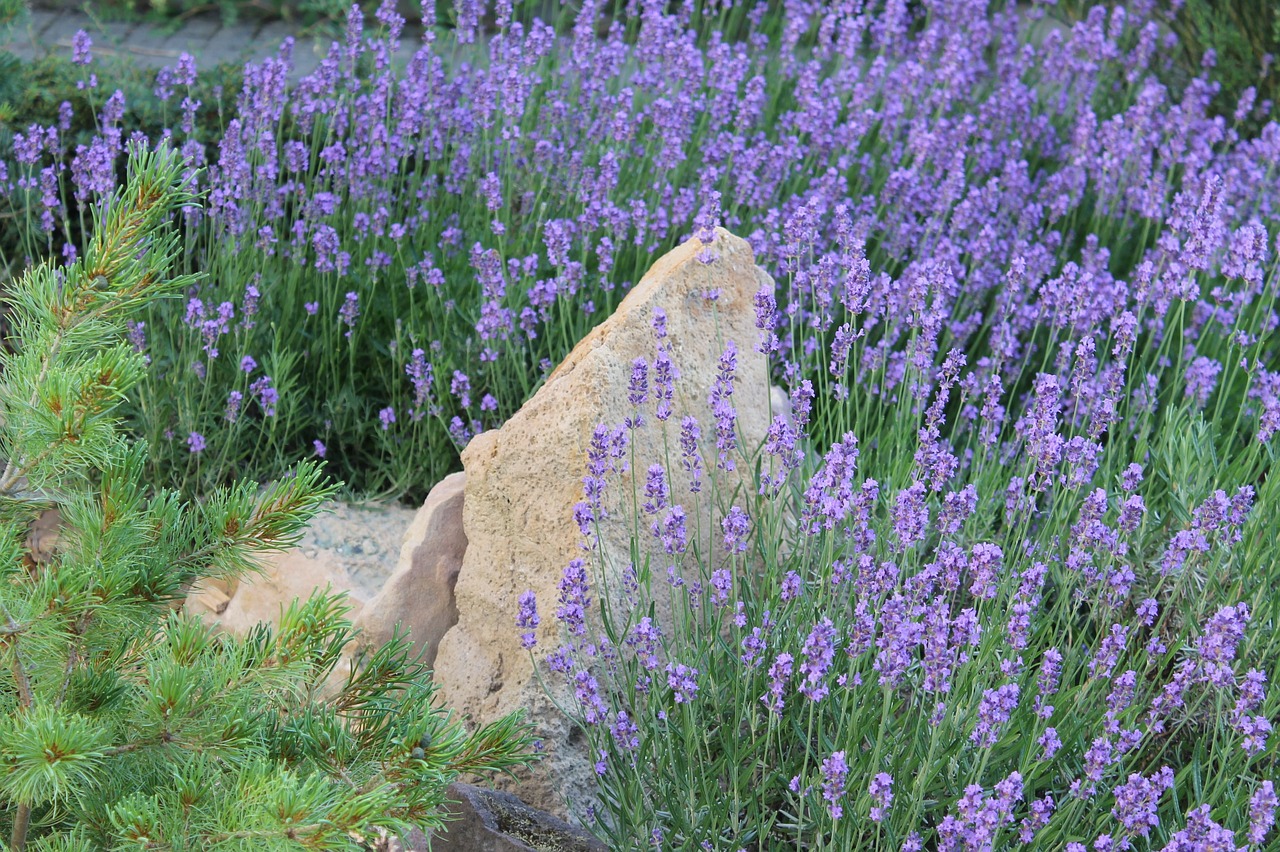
point(194, 34)
point(109, 38)
point(203, 36)
point(113, 33)
point(39, 21)
point(303, 64)
point(228, 45)
point(145, 47)
point(56, 36)
point(267, 40)
point(21, 42)
point(25, 51)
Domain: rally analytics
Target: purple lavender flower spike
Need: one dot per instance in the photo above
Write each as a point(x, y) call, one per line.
point(830, 497)
point(659, 323)
point(574, 599)
point(1262, 812)
point(736, 526)
point(422, 375)
point(268, 396)
point(910, 515)
point(625, 733)
point(638, 387)
point(719, 400)
point(683, 681)
point(1049, 743)
point(818, 655)
point(349, 311)
point(671, 531)
point(587, 691)
point(1202, 376)
point(1048, 681)
point(1136, 801)
point(656, 491)
point(984, 568)
point(646, 639)
point(232, 412)
point(664, 376)
point(690, 457)
point(779, 675)
point(1041, 811)
point(835, 772)
point(993, 711)
point(881, 790)
point(185, 71)
point(527, 618)
point(81, 45)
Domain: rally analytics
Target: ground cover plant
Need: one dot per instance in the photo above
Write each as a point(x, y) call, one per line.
point(124, 723)
point(1235, 41)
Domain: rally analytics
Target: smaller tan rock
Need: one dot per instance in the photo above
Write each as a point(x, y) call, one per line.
point(419, 594)
point(287, 576)
point(212, 596)
point(347, 548)
point(42, 541)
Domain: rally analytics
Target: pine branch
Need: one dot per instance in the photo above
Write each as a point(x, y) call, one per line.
point(22, 680)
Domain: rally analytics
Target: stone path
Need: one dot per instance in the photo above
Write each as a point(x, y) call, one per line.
point(205, 37)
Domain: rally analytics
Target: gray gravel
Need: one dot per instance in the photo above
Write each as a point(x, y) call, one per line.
point(363, 539)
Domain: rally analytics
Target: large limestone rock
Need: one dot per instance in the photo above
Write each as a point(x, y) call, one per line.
point(523, 480)
point(419, 595)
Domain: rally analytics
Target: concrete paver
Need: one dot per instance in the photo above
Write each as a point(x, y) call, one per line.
point(39, 22)
point(55, 32)
point(270, 34)
point(152, 46)
point(193, 33)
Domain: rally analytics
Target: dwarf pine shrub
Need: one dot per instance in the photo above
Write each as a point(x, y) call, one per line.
point(124, 722)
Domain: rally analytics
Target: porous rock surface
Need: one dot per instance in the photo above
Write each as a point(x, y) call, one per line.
point(418, 596)
point(523, 480)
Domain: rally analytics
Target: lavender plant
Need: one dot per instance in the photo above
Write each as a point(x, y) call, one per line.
point(126, 723)
point(400, 252)
point(1007, 577)
point(1048, 623)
